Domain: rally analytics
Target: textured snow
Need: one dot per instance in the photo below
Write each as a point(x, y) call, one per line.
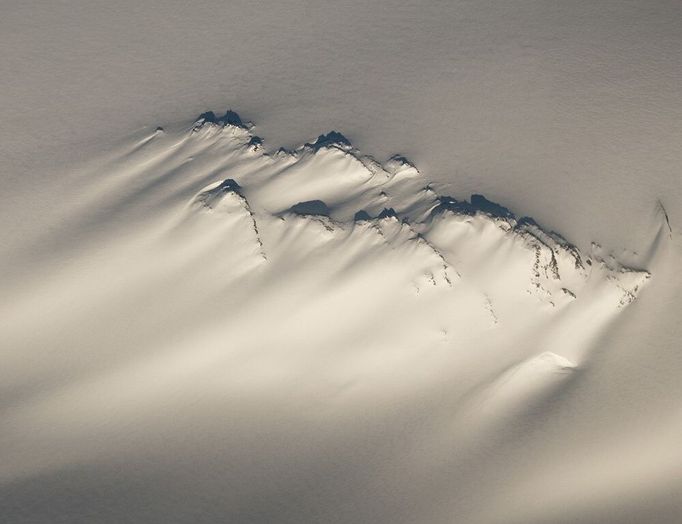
point(206, 303)
point(111, 267)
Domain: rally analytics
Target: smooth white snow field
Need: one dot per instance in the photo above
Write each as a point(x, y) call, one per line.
point(200, 325)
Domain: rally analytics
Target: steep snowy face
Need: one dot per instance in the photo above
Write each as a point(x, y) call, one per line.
point(198, 274)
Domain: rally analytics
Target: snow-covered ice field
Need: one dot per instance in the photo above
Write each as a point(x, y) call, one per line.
point(465, 308)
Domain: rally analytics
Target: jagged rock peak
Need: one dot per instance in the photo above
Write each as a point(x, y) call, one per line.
point(331, 139)
point(229, 185)
point(494, 209)
point(230, 117)
point(211, 197)
point(387, 212)
point(399, 161)
point(477, 204)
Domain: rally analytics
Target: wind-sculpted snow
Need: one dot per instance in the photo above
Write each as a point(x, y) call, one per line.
point(331, 184)
point(252, 336)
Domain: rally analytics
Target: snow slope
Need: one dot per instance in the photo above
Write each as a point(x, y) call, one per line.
point(203, 329)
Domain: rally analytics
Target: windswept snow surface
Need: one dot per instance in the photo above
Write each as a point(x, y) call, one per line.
point(202, 329)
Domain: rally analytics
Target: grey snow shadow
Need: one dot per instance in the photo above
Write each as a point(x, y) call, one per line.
point(311, 207)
